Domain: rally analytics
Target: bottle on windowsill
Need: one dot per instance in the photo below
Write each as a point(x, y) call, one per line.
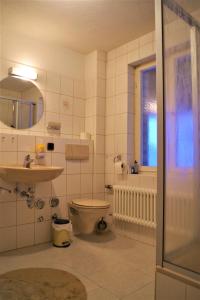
point(135, 168)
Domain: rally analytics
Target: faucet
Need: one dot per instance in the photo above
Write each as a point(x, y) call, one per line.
point(27, 161)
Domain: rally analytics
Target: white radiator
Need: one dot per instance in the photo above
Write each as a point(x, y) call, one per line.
point(135, 205)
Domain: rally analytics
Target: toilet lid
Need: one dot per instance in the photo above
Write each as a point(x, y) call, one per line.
point(91, 203)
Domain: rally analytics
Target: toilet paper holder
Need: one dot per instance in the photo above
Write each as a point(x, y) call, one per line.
point(117, 158)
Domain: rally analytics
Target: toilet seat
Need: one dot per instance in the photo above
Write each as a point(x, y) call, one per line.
point(91, 203)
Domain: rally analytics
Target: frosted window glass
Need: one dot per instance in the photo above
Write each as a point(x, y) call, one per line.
point(149, 117)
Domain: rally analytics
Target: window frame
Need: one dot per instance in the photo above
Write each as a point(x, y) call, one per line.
point(137, 115)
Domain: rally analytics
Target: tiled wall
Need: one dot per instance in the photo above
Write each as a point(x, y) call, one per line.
point(120, 101)
point(119, 118)
point(64, 102)
point(95, 76)
point(19, 225)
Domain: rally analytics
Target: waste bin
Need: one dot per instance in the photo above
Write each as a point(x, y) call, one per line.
point(61, 234)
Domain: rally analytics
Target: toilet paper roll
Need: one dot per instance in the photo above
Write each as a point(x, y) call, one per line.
point(119, 167)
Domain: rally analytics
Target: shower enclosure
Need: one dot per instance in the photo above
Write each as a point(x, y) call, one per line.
point(178, 93)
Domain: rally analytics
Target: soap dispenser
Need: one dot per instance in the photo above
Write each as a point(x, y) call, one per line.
point(40, 153)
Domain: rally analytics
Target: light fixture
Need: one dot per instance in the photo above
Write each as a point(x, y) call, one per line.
point(23, 72)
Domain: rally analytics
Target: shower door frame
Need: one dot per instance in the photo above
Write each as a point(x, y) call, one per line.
point(160, 94)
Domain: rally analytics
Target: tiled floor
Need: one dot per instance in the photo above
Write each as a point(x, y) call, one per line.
point(115, 268)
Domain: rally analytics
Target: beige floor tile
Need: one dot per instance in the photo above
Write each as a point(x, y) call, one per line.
point(121, 279)
point(101, 294)
point(111, 269)
point(145, 293)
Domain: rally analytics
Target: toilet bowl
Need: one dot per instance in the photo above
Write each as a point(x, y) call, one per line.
point(89, 216)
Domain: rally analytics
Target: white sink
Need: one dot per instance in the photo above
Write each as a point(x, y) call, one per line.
point(36, 173)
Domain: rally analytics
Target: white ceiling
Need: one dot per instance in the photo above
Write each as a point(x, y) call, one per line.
point(82, 25)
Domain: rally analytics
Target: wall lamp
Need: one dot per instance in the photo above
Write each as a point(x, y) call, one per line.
point(23, 73)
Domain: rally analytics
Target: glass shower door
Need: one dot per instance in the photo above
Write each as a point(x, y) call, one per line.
point(182, 134)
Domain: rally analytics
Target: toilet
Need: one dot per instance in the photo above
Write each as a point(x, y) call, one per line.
point(89, 216)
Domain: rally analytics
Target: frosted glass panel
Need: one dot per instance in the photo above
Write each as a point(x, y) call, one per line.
point(182, 131)
point(149, 117)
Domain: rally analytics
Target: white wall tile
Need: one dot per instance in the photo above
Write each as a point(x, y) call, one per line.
point(111, 69)
point(111, 55)
point(66, 124)
point(73, 184)
point(133, 45)
point(73, 167)
point(121, 124)
point(8, 142)
point(100, 125)
point(98, 183)
point(42, 232)
point(110, 106)
point(121, 65)
point(4, 195)
point(53, 82)
point(121, 84)
point(43, 189)
point(133, 57)
point(7, 214)
point(58, 159)
point(101, 88)
point(79, 107)
point(9, 240)
point(26, 143)
point(110, 144)
point(78, 125)
point(67, 86)
point(79, 88)
point(66, 105)
point(59, 145)
point(145, 39)
point(59, 186)
point(147, 50)
point(86, 184)
point(110, 87)
point(25, 235)
point(8, 158)
point(90, 108)
point(100, 107)
point(51, 117)
point(87, 165)
point(101, 69)
point(25, 215)
point(99, 163)
point(90, 125)
point(110, 125)
point(99, 145)
point(53, 102)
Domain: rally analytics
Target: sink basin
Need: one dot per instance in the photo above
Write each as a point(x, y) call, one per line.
point(36, 173)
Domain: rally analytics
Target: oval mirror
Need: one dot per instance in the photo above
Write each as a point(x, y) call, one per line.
point(21, 103)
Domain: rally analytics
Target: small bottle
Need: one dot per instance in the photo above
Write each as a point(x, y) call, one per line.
point(132, 170)
point(136, 167)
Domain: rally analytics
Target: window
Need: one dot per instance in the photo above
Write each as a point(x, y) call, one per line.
point(146, 116)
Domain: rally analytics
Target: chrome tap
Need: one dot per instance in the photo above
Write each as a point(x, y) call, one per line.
point(27, 161)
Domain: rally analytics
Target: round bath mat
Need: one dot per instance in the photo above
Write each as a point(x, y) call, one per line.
point(41, 284)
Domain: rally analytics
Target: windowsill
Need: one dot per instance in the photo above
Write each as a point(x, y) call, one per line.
point(148, 169)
